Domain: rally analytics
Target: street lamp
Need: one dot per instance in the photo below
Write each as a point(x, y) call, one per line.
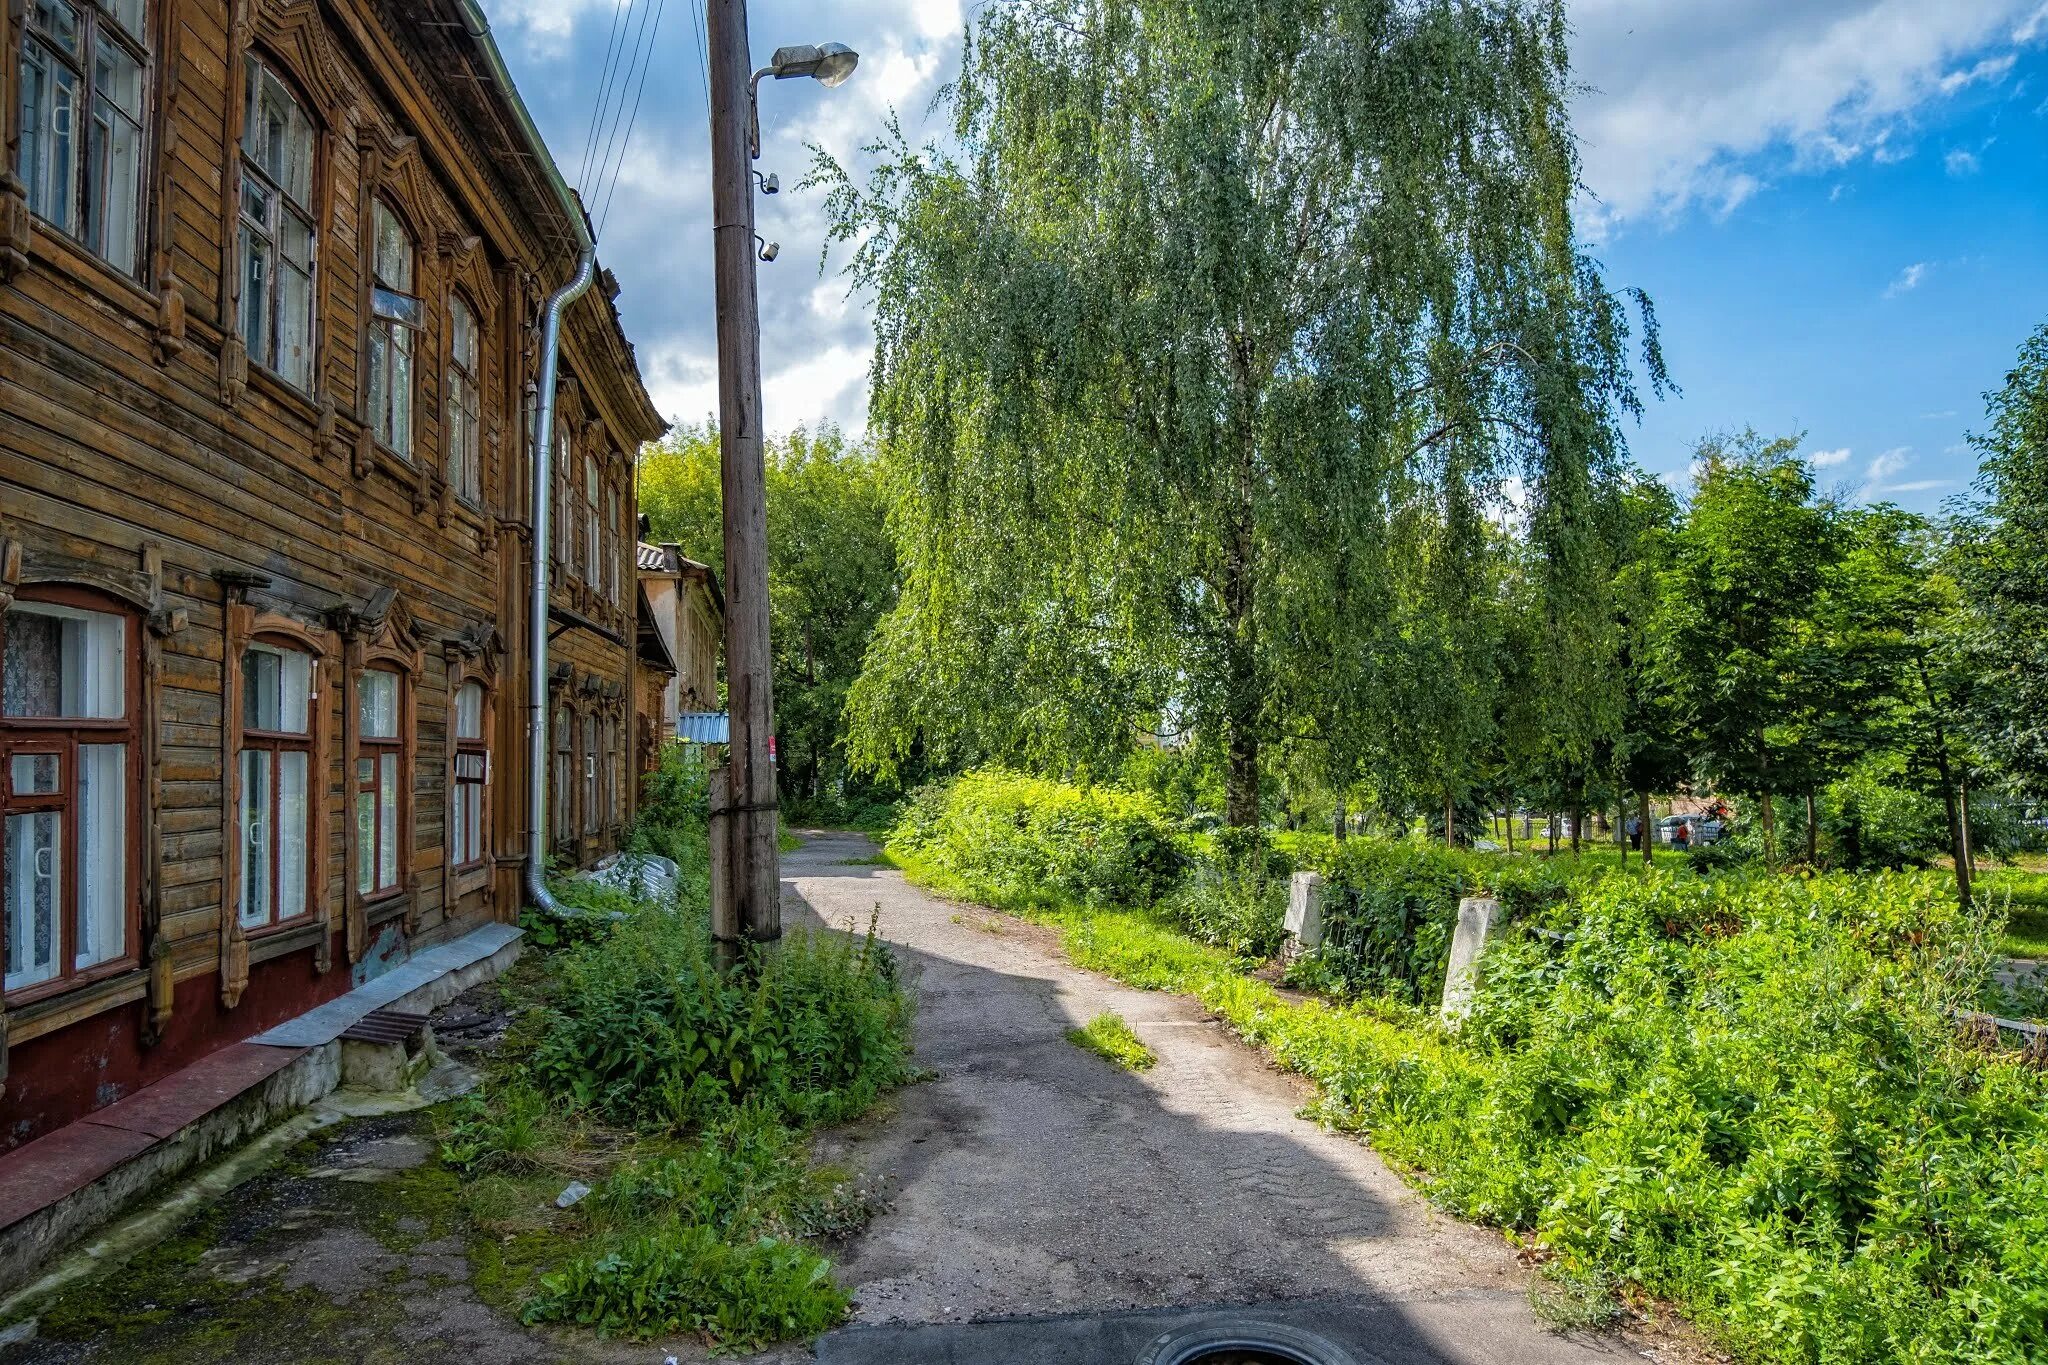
point(829, 64)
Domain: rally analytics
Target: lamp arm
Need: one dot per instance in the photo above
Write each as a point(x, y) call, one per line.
point(754, 111)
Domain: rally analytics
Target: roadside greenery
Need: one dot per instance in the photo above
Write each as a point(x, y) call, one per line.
point(682, 1097)
point(1109, 1036)
point(1743, 1094)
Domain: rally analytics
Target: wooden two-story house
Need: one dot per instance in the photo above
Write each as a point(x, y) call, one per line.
point(270, 273)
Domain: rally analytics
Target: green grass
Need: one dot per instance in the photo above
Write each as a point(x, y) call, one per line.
point(683, 1096)
point(1742, 1095)
point(1108, 1036)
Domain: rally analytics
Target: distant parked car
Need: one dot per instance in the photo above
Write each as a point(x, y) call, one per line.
point(1704, 830)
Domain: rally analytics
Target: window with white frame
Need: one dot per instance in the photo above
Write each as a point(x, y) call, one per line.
point(83, 78)
point(379, 780)
point(472, 772)
point(275, 816)
point(465, 447)
point(395, 315)
point(68, 749)
point(277, 237)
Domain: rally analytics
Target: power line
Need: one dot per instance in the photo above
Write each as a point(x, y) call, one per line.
point(611, 50)
point(639, 56)
point(633, 119)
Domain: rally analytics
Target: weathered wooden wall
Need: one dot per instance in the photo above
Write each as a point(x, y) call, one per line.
point(137, 439)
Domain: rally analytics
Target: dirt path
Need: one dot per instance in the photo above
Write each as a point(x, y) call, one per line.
point(1032, 1179)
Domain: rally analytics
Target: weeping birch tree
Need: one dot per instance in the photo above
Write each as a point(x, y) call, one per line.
point(1204, 307)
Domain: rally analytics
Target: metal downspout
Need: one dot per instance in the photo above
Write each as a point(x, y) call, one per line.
point(537, 609)
point(537, 892)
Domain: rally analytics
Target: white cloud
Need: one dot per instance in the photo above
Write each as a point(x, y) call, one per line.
point(1907, 280)
point(1960, 162)
point(1828, 459)
point(1701, 105)
point(1917, 486)
point(1888, 464)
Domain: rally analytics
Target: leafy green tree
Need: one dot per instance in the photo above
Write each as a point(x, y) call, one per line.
point(1743, 580)
point(1649, 752)
point(1206, 296)
point(2003, 566)
point(831, 573)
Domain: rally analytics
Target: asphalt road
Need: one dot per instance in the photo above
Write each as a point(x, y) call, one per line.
point(1047, 1205)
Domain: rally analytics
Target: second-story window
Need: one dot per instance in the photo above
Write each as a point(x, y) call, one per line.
point(558, 513)
point(611, 547)
point(277, 229)
point(82, 83)
point(465, 452)
point(395, 314)
point(592, 552)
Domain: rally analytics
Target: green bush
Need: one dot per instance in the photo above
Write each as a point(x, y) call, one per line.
point(1018, 840)
point(1871, 820)
point(1389, 908)
point(643, 1029)
point(1234, 895)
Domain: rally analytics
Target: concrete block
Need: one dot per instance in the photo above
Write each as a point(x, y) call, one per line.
point(1476, 917)
point(1305, 912)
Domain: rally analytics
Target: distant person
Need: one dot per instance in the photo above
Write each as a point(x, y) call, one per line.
point(1683, 835)
point(1635, 833)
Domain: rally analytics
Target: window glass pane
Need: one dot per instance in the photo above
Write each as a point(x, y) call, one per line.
point(130, 15)
point(260, 688)
point(255, 307)
point(377, 705)
point(36, 775)
point(294, 834)
point(366, 841)
point(113, 205)
point(475, 822)
point(277, 687)
point(401, 391)
point(469, 711)
point(102, 853)
point(56, 20)
point(295, 300)
point(61, 662)
point(393, 262)
point(295, 686)
point(387, 821)
point(35, 890)
point(255, 838)
point(49, 125)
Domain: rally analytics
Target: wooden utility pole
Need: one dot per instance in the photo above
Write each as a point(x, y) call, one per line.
point(752, 890)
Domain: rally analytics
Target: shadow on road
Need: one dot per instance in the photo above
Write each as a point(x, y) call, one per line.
point(1047, 1205)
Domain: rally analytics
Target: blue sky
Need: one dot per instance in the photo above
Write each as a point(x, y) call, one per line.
point(1837, 205)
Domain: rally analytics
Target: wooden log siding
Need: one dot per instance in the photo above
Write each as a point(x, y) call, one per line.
point(138, 445)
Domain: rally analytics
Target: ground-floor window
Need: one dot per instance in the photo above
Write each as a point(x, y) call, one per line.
point(275, 816)
point(471, 773)
point(379, 781)
point(68, 747)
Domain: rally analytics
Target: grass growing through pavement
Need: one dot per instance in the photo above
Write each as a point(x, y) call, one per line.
point(1108, 1036)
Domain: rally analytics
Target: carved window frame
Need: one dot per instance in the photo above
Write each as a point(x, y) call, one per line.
point(292, 41)
point(479, 669)
point(247, 625)
point(62, 738)
point(388, 645)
